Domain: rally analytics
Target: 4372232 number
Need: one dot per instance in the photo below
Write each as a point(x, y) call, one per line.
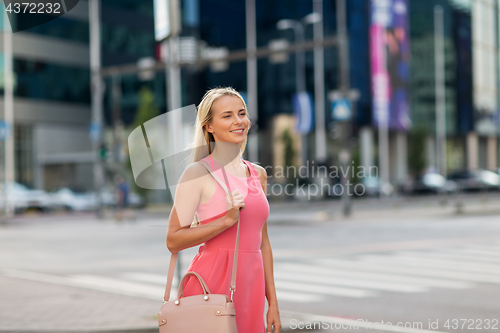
point(34, 8)
point(472, 324)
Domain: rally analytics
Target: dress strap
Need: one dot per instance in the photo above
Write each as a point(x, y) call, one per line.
point(212, 162)
point(253, 172)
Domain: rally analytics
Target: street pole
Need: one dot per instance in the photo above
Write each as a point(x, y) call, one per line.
point(97, 95)
point(9, 176)
point(497, 71)
point(440, 90)
point(173, 85)
point(251, 36)
point(346, 152)
point(300, 78)
point(117, 122)
point(300, 83)
point(319, 84)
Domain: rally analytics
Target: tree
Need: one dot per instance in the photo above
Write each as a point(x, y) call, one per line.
point(146, 110)
point(416, 154)
point(289, 153)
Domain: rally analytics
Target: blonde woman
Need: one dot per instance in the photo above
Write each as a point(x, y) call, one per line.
point(220, 138)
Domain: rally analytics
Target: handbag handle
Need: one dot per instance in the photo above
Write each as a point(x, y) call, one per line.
point(180, 292)
point(173, 257)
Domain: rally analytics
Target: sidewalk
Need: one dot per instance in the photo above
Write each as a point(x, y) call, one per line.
point(29, 306)
point(371, 208)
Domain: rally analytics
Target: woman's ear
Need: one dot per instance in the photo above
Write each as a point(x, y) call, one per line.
point(208, 128)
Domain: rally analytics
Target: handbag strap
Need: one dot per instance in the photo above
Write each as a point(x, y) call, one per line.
point(173, 257)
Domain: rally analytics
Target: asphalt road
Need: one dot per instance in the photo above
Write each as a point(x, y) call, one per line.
point(419, 265)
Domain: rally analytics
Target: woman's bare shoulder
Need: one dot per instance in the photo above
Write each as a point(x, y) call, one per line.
point(260, 170)
point(194, 171)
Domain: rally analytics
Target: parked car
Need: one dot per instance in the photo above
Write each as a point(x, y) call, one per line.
point(430, 182)
point(71, 199)
point(24, 198)
point(373, 186)
point(110, 198)
point(476, 180)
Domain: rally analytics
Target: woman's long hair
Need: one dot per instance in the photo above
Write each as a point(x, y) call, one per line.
point(203, 141)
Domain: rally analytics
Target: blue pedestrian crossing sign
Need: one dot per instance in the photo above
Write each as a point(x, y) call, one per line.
point(5, 130)
point(341, 110)
point(95, 131)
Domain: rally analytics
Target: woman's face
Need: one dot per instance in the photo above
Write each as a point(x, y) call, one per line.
point(230, 122)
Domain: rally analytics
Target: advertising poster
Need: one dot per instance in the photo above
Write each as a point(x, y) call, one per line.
point(390, 63)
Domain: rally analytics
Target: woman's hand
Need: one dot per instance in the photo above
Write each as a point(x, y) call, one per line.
point(273, 319)
point(234, 206)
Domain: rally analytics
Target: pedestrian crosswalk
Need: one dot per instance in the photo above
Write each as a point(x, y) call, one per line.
point(357, 276)
point(372, 275)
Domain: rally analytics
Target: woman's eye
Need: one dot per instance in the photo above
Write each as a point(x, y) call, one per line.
point(241, 114)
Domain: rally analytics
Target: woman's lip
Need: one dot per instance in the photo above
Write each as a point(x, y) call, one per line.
point(242, 131)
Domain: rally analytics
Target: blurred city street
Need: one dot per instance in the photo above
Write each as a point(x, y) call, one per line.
point(410, 261)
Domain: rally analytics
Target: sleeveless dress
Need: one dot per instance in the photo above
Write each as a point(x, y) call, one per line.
point(214, 260)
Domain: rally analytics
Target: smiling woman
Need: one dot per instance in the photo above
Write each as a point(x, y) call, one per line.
point(220, 138)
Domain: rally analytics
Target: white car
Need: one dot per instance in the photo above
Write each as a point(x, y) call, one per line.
point(110, 198)
point(24, 198)
point(73, 200)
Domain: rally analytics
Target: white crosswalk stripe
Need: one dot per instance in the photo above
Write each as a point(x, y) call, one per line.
point(353, 273)
point(345, 281)
point(419, 261)
point(442, 254)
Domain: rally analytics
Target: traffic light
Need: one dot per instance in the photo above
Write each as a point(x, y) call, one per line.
point(103, 151)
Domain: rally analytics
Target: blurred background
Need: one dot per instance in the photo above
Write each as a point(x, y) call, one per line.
point(407, 89)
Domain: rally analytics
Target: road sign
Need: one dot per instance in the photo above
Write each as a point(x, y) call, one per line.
point(303, 109)
point(341, 110)
point(5, 130)
point(95, 131)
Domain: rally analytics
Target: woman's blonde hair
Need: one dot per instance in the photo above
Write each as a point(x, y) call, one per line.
point(203, 141)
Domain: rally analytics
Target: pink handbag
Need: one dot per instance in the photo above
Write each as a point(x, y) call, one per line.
point(207, 313)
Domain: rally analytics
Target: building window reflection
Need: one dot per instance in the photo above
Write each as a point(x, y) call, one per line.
point(40, 80)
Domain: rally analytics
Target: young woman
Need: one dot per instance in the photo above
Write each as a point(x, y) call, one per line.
point(220, 138)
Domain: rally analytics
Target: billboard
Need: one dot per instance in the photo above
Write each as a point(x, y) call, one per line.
point(484, 68)
point(390, 63)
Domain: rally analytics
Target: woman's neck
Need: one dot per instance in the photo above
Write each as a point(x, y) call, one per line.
point(227, 154)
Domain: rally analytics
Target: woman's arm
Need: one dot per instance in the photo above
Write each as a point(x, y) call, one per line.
point(273, 315)
point(180, 238)
point(179, 234)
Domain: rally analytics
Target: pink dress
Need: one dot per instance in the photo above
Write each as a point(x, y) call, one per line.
point(214, 260)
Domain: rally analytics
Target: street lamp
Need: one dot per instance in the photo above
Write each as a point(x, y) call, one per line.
point(300, 68)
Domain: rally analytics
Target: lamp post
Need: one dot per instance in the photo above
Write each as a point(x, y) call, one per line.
point(300, 68)
point(319, 83)
point(8, 121)
point(440, 91)
point(97, 96)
